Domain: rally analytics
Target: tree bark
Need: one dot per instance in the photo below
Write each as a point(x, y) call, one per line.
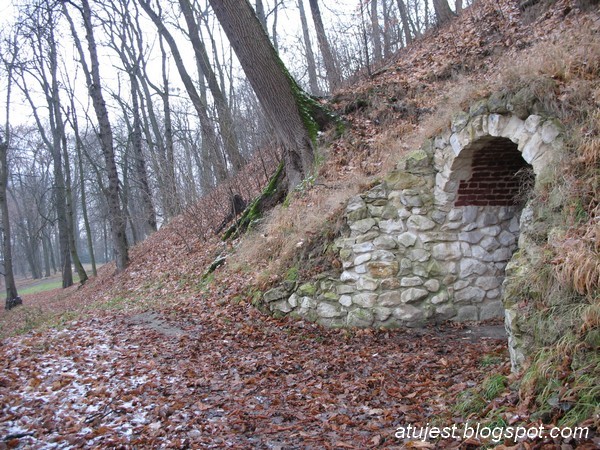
point(443, 13)
point(226, 124)
point(116, 216)
point(278, 93)
point(375, 32)
point(404, 18)
point(313, 82)
point(333, 74)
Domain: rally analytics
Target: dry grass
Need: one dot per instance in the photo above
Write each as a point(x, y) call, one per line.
point(271, 246)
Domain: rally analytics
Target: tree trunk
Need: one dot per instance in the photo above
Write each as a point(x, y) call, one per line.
point(279, 95)
point(115, 213)
point(313, 82)
point(226, 123)
point(333, 74)
point(404, 18)
point(199, 105)
point(70, 219)
point(443, 13)
point(375, 32)
point(12, 296)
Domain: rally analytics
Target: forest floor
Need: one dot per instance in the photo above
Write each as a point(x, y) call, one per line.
point(161, 357)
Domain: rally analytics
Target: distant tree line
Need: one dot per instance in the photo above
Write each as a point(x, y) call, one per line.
point(137, 108)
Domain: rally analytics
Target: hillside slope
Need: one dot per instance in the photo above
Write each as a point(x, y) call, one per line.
point(161, 355)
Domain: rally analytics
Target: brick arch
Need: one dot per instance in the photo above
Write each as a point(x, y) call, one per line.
point(496, 173)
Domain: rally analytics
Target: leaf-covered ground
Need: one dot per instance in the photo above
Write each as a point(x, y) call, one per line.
point(223, 375)
point(156, 358)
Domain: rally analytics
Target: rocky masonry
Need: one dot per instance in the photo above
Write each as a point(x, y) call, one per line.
point(431, 242)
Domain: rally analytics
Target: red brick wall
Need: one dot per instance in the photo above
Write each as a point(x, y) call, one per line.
point(493, 181)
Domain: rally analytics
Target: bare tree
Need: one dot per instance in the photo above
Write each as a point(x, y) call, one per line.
point(94, 82)
point(313, 82)
point(12, 296)
point(333, 75)
point(284, 102)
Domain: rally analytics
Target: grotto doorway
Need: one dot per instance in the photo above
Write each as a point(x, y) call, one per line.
point(492, 182)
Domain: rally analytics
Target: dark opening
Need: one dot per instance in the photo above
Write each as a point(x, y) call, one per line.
point(499, 176)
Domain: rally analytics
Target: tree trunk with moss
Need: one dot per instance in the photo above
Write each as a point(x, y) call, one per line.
point(286, 106)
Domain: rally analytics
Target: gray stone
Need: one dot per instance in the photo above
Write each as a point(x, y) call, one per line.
point(404, 213)
point(493, 294)
point(446, 251)
point(461, 284)
point(378, 192)
point(359, 318)
point(532, 123)
point(276, 294)
point(470, 266)
point(469, 214)
point(413, 295)
point(362, 226)
point(366, 284)
point(383, 255)
point(381, 313)
point(489, 244)
point(389, 212)
point(361, 259)
point(550, 130)
point(502, 254)
point(391, 226)
point(345, 243)
point(438, 216)
point(411, 281)
point(487, 219)
point(355, 203)
point(407, 239)
point(418, 255)
point(432, 285)
point(362, 269)
point(459, 121)
point(349, 276)
point(469, 295)
point(328, 310)
point(293, 300)
point(411, 198)
point(440, 298)
point(375, 211)
point(488, 283)
point(345, 300)
point(368, 236)
point(445, 312)
point(479, 253)
point(506, 238)
point(366, 300)
point(385, 243)
point(281, 305)
point(308, 303)
point(408, 313)
point(329, 296)
point(420, 223)
point(363, 248)
point(392, 298)
point(357, 215)
point(472, 237)
point(491, 310)
point(333, 322)
point(466, 314)
point(478, 108)
point(344, 289)
point(455, 214)
point(491, 231)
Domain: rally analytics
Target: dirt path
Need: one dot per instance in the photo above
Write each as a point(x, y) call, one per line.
point(229, 377)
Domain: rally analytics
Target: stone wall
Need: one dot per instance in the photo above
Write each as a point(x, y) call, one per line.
point(431, 242)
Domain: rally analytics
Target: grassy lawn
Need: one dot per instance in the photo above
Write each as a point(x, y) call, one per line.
point(43, 286)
